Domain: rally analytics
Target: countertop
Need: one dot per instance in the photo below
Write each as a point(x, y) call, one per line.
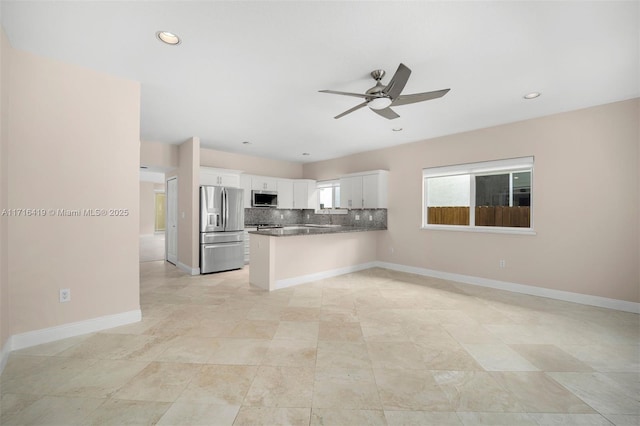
point(293, 230)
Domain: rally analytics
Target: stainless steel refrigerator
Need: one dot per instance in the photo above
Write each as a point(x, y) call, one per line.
point(221, 229)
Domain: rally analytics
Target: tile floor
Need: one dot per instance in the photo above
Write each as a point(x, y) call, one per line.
point(371, 348)
point(152, 247)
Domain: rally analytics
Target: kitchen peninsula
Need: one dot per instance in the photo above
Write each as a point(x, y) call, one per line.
point(292, 255)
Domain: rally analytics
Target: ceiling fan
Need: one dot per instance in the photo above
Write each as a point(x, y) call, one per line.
point(381, 98)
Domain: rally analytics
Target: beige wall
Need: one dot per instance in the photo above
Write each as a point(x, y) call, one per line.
point(5, 56)
point(159, 155)
point(586, 201)
point(73, 140)
point(188, 201)
point(249, 164)
point(166, 157)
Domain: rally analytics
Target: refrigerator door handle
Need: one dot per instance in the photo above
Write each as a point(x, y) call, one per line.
point(226, 208)
point(221, 214)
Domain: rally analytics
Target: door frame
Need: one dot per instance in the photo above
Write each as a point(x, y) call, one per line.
point(170, 194)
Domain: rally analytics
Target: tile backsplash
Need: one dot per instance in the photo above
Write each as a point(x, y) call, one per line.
point(292, 217)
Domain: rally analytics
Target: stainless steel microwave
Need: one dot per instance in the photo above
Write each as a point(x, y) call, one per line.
point(264, 198)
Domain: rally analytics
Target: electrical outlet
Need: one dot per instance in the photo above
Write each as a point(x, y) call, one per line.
point(307, 216)
point(503, 263)
point(357, 217)
point(65, 295)
point(370, 217)
point(391, 249)
point(281, 216)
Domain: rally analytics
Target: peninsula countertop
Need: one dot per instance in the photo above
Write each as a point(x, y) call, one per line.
point(312, 229)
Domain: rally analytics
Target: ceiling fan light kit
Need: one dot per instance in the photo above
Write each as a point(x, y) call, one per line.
point(381, 98)
point(379, 103)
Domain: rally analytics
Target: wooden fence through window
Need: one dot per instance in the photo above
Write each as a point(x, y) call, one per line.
point(518, 217)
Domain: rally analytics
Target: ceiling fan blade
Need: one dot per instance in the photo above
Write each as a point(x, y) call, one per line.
point(398, 81)
point(335, 92)
point(386, 113)
point(419, 97)
point(349, 111)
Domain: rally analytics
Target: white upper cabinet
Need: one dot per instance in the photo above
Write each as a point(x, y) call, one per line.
point(292, 193)
point(296, 194)
point(375, 190)
point(219, 177)
point(285, 194)
point(365, 190)
point(262, 183)
point(351, 192)
point(304, 194)
point(245, 183)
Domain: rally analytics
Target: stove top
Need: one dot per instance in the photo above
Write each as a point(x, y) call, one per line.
point(268, 226)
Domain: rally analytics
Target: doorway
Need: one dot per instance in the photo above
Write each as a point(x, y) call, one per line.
point(160, 209)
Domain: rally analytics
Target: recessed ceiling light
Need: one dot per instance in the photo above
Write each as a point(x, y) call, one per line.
point(305, 153)
point(397, 129)
point(168, 38)
point(532, 95)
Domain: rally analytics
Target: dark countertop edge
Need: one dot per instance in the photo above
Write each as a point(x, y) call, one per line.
point(279, 232)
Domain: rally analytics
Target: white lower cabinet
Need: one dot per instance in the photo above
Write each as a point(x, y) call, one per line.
point(247, 244)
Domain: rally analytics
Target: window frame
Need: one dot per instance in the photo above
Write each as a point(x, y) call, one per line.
point(484, 168)
point(333, 184)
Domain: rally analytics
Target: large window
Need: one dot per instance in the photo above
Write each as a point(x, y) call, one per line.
point(489, 195)
point(328, 194)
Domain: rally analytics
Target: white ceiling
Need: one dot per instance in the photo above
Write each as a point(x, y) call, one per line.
point(251, 71)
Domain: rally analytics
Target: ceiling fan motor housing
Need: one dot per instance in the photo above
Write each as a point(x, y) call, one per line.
point(377, 74)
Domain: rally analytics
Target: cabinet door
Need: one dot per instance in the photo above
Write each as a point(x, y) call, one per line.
point(245, 183)
point(356, 192)
point(345, 192)
point(230, 180)
point(370, 191)
point(300, 195)
point(270, 184)
point(247, 243)
point(216, 178)
point(261, 183)
point(207, 178)
point(312, 195)
point(285, 194)
point(351, 192)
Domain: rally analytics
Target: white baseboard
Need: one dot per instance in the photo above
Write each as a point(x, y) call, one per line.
point(290, 282)
point(46, 335)
point(188, 269)
point(59, 332)
point(4, 354)
point(584, 299)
